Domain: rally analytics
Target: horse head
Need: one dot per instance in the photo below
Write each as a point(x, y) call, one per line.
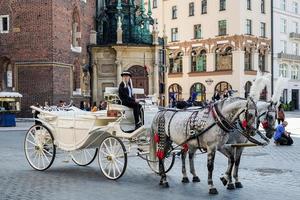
point(267, 117)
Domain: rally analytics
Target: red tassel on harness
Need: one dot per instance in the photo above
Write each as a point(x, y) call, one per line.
point(160, 154)
point(244, 123)
point(156, 137)
point(185, 147)
point(265, 124)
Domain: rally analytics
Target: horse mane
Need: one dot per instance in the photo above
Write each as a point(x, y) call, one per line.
point(261, 81)
point(278, 89)
point(228, 107)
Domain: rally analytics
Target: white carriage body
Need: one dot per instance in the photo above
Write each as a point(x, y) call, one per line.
point(75, 129)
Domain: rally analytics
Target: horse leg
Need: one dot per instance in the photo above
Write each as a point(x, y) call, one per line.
point(210, 166)
point(227, 179)
point(185, 179)
point(192, 165)
point(237, 160)
point(163, 181)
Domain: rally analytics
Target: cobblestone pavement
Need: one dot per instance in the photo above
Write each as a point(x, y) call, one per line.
point(272, 172)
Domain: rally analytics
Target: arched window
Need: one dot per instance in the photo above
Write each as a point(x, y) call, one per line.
point(175, 92)
point(6, 73)
point(176, 63)
point(248, 60)
point(199, 89)
point(283, 68)
point(222, 86)
point(198, 61)
point(295, 72)
point(223, 59)
point(76, 34)
point(247, 88)
point(262, 62)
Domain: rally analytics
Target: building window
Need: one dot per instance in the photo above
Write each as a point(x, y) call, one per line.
point(4, 23)
point(222, 86)
point(283, 47)
point(224, 59)
point(198, 92)
point(154, 3)
point(282, 4)
point(174, 12)
point(262, 62)
point(295, 27)
point(176, 63)
point(198, 61)
point(248, 60)
point(222, 5)
point(295, 48)
point(283, 25)
point(295, 72)
point(283, 70)
point(191, 9)
point(248, 4)
point(295, 7)
point(248, 27)
point(197, 31)
point(203, 6)
point(262, 6)
point(222, 27)
point(247, 88)
point(174, 34)
point(175, 92)
point(262, 29)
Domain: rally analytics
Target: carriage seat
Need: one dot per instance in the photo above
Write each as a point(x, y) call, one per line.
point(119, 107)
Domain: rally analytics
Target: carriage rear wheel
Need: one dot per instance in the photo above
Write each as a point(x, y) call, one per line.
point(84, 157)
point(112, 157)
point(152, 159)
point(168, 163)
point(39, 147)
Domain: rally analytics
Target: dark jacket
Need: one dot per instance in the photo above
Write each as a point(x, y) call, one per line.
point(124, 95)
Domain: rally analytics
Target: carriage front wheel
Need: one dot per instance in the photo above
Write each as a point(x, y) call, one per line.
point(39, 147)
point(84, 157)
point(112, 157)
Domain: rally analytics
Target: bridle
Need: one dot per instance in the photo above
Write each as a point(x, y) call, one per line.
point(265, 122)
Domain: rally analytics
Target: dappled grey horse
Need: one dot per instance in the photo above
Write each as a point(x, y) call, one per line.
point(202, 128)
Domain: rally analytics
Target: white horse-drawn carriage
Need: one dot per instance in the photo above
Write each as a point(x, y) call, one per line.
point(107, 135)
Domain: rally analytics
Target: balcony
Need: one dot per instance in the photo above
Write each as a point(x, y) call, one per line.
point(288, 56)
point(295, 36)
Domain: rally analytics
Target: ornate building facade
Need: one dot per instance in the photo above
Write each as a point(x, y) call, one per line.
point(214, 45)
point(126, 39)
point(286, 48)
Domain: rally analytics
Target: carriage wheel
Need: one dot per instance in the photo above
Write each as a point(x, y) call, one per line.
point(39, 147)
point(168, 163)
point(112, 157)
point(152, 159)
point(84, 157)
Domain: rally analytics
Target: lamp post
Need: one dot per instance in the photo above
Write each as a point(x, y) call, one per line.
point(272, 48)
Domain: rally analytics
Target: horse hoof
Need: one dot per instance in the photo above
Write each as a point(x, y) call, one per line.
point(224, 181)
point(213, 191)
point(238, 185)
point(230, 186)
point(185, 180)
point(196, 179)
point(164, 185)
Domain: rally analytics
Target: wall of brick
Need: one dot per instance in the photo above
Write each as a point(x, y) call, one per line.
point(40, 32)
point(29, 38)
point(35, 84)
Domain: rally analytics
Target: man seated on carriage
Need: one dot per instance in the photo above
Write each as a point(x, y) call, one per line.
point(127, 98)
point(281, 136)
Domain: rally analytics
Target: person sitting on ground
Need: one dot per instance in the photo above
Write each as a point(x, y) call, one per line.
point(281, 136)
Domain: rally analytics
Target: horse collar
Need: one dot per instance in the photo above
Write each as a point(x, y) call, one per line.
point(222, 122)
